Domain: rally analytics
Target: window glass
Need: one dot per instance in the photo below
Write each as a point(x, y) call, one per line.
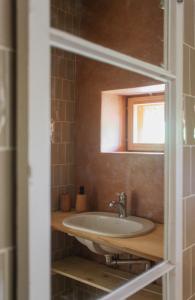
point(145, 115)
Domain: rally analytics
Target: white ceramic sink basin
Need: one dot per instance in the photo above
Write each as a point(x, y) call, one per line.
point(109, 224)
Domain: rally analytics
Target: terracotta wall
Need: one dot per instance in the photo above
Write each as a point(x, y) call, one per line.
point(64, 16)
point(7, 149)
point(189, 151)
point(63, 90)
point(104, 174)
point(133, 27)
point(113, 114)
point(138, 31)
point(62, 124)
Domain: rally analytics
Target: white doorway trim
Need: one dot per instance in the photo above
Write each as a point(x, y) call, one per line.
point(137, 284)
point(33, 150)
point(68, 42)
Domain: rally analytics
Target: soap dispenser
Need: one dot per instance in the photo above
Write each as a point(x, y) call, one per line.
point(81, 200)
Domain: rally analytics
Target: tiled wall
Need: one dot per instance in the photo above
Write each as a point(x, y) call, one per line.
point(126, 26)
point(6, 149)
point(64, 16)
point(189, 151)
point(62, 124)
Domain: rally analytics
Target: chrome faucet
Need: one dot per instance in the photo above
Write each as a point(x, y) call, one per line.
point(120, 204)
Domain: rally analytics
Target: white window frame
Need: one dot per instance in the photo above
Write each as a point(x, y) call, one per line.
point(33, 142)
point(131, 145)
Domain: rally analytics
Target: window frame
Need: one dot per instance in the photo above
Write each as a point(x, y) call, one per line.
point(145, 147)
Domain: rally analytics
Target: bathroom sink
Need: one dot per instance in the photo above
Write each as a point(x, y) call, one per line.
point(109, 224)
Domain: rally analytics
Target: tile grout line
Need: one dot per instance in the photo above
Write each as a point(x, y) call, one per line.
point(188, 45)
point(193, 4)
point(188, 146)
point(185, 224)
point(193, 295)
point(4, 149)
point(7, 49)
point(191, 271)
point(190, 71)
point(188, 95)
point(5, 250)
point(191, 171)
point(189, 247)
point(187, 197)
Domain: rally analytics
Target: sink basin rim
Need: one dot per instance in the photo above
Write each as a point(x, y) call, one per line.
point(147, 225)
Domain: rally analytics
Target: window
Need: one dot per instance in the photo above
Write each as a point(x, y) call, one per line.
point(146, 123)
point(132, 122)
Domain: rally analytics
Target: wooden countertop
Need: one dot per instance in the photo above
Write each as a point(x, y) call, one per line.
point(149, 246)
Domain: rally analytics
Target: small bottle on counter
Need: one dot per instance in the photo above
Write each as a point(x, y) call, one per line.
point(81, 200)
point(65, 202)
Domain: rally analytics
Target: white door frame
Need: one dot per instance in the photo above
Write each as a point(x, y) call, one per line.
point(33, 150)
point(33, 157)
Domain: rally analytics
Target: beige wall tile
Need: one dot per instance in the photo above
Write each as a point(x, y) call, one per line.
point(189, 22)
point(2, 276)
point(186, 171)
point(187, 274)
point(189, 162)
point(6, 140)
point(186, 70)
point(193, 170)
point(193, 270)
point(192, 71)
point(190, 221)
point(185, 233)
point(6, 271)
point(6, 196)
point(6, 105)
point(6, 22)
point(189, 115)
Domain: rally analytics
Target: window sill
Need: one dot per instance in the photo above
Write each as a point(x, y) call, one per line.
point(134, 152)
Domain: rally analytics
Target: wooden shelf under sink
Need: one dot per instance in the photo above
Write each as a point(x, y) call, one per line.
point(149, 246)
point(101, 277)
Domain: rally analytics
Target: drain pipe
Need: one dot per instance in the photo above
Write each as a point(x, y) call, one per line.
point(110, 261)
